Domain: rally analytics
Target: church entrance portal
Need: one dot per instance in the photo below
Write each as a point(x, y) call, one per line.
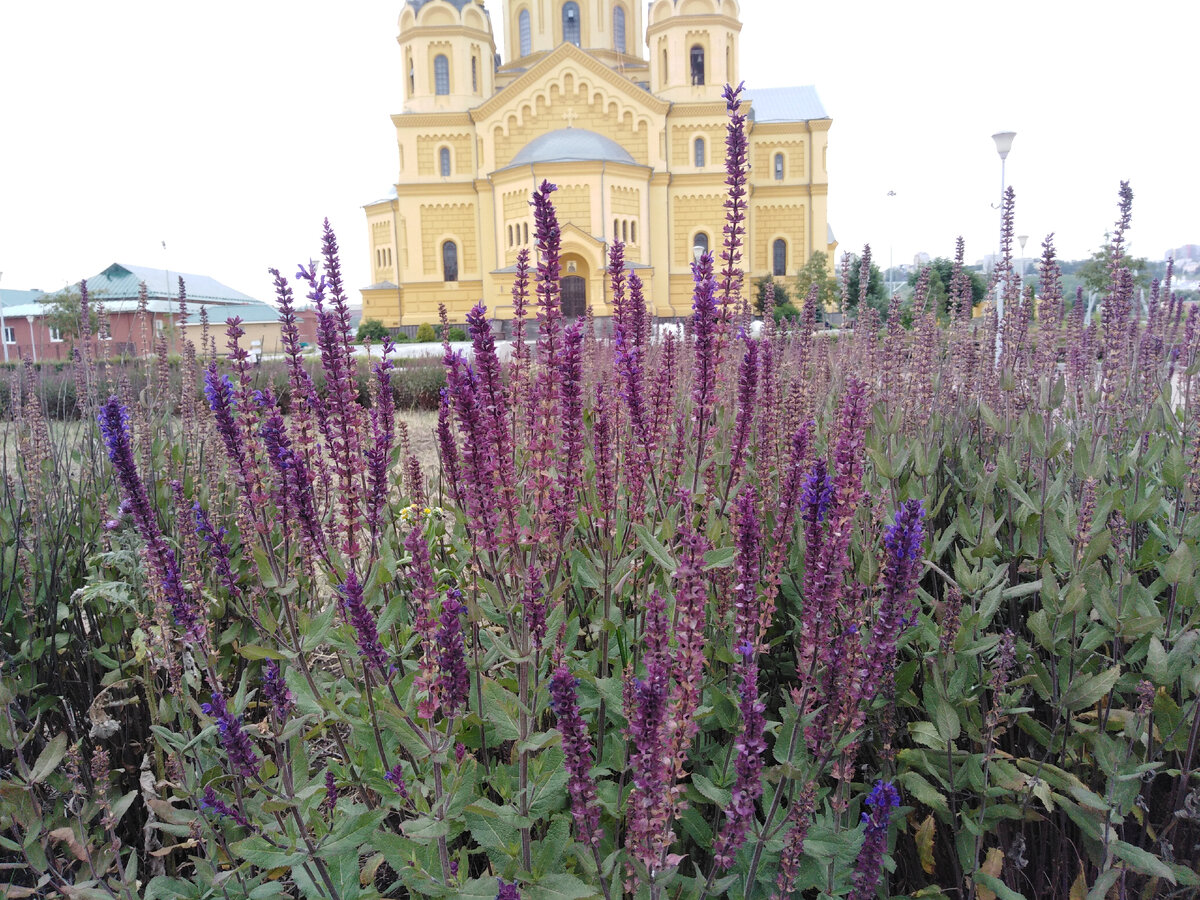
point(574, 296)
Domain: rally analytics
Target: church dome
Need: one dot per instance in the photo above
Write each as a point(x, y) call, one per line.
point(571, 145)
point(457, 4)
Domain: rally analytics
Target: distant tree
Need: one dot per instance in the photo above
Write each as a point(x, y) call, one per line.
point(1095, 272)
point(786, 311)
point(760, 293)
point(877, 295)
point(940, 276)
point(426, 334)
point(371, 329)
point(456, 334)
point(64, 312)
point(816, 271)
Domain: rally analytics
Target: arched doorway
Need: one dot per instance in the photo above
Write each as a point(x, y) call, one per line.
point(574, 296)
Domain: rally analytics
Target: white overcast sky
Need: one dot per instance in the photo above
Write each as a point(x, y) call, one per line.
point(230, 128)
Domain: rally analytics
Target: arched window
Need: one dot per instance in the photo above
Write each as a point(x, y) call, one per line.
point(450, 261)
point(474, 75)
point(510, 236)
point(619, 29)
point(441, 75)
point(525, 32)
point(779, 257)
point(697, 65)
point(633, 232)
point(616, 228)
point(412, 77)
point(625, 231)
point(665, 66)
point(444, 162)
point(527, 232)
point(698, 152)
point(570, 16)
point(779, 167)
point(700, 241)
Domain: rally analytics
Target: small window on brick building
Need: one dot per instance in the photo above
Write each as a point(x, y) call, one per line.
point(697, 57)
point(444, 162)
point(698, 152)
point(779, 257)
point(450, 261)
point(779, 167)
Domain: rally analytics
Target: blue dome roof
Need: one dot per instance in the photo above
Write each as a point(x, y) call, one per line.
point(457, 4)
point(571, 145)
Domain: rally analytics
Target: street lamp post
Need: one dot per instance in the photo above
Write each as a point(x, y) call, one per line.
point(1021, 239)
point(891, 242)
point(1004, 140)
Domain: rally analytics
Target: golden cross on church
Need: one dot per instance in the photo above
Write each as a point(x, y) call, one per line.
point(569, 117)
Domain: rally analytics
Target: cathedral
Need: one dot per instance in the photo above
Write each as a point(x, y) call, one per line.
point(623, 114)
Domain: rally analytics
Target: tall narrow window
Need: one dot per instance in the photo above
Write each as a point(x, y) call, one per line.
point(665, 66)
point(526, 32)
point(450, 261)
point(779, 167)
point(700, 242)
point(697, 65)
point(619, 29)
point(441, 75)
point(474, 75)
point(412, 77)
point(625, 231)
point(633, 232)
point(444, 162)
point(779, 257)
point(698, 151)
point(510, 236)
point(527, 232)
point(616, 228)
point(570, 16)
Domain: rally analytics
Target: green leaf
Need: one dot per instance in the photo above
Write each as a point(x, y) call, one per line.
point(1084, 692)
point(998, 887)
point(948, 725)
point(252, 651)
point(161, 887)
point(258, 852)
point(721, 558)
point(655, 549)
point(1142, 861)
point(49, 758)
point(710, 791)
point(490, 830)
point(557, 887)
point(917, 785)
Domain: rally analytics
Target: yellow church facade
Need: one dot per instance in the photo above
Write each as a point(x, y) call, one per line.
point(625, 116)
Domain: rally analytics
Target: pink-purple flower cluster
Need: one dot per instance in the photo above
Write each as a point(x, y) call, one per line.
point(360, 617)
point(210, 802)
point(577, 748)
point(189, 616)
point(454, 684)
point(880, 803)
point(243, 760)
point(748, 761)
point(276, 692)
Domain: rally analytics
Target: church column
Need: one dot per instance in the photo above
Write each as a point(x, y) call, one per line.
point(489, 257)
point(658, 234)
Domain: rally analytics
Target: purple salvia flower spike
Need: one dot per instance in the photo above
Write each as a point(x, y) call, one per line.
point(867, 869)
point(243, 760)
point(577, 747)
point(360, 617)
